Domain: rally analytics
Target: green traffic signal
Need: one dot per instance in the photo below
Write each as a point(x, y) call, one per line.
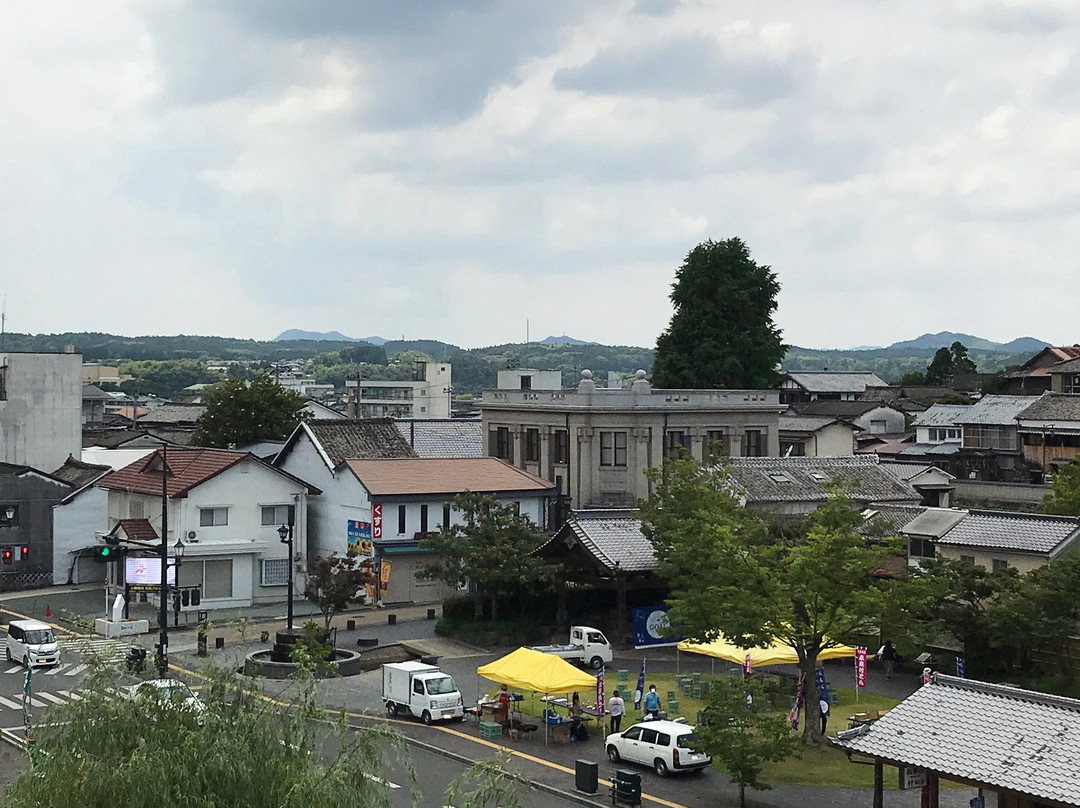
point(103, 554)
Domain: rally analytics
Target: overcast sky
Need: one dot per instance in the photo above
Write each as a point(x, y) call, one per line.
point(452, 170)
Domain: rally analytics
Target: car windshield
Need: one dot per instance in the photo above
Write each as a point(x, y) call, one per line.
point(167, 691)
point(688, 741)
point(39, 636)
point(441, 686)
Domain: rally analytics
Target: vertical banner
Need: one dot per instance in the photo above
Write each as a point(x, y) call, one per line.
point(640, 690)
point(376, 520)
point(600, 695)
point(358, 535)
point(796, 709)
point(822, 685)
point(860, 667)
point(747, 667)
point(384, 575)
point(960, 669)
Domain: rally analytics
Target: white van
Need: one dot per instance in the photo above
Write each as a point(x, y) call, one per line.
point(31, 643)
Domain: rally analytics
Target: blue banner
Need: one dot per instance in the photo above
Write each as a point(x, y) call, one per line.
point(822, 686)
point(640, 690)
point(960, 667)
point(649, 624)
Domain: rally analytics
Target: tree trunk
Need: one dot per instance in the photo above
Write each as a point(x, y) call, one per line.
point(742, 795)
point(811, 710)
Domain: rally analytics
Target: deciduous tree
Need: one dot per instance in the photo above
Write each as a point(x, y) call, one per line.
point(742, 733)
point(1064, 499)
point(334, 582)
point(731, 576)
point(491, 548)
point(239, 413)
point(722, 333)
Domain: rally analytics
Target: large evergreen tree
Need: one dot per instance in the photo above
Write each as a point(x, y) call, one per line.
point(722, 332)
point(238, 413)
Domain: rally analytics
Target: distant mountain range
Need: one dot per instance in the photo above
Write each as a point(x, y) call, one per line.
point(944, 339)
point(337, 336)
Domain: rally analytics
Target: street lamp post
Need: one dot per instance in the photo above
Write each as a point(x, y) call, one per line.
point(163, 614)
point(286, 534)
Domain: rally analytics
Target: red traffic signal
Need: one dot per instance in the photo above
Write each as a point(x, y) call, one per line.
point(8, 555)
point(25, 552)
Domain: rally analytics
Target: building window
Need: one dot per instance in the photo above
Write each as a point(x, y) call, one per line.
point(967, 559)
point(274, 572)
point(214, 577)
point(613, 449)
point(502, 447)
point(526, 382)
point(752, 443)
point(532, 445)
point(921, 548)
point(878, 427)
point(716, 446)
point(9, 515)
point(561, 449)
point(135, 509)
point(446, 515)
point(401, 520)
point(1072, 384)
point(999, 564)
point(277, 515)
point(3, 383)
point(675, 442)
point(213, 517)
point(792, 448)
point(423, 518)
point(943, 434)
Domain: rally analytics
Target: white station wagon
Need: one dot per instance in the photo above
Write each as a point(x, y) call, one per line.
point(666, 746)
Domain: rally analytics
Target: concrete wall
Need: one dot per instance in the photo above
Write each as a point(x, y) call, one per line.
point(1004, 494)
point(76, 524)
point(984, 557)
point(41, 416)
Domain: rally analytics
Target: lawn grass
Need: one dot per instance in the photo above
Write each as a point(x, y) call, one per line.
point(817, 766)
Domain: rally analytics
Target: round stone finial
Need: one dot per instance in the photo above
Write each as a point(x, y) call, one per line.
point(641, 374)
point(586, 374)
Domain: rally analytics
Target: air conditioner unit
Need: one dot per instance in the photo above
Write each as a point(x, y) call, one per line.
point(192, 535)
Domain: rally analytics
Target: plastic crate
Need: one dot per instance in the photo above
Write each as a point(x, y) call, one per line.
point(490, 730)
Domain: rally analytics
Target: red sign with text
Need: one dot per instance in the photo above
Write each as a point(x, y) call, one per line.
point(376, 521)
point(860, 667)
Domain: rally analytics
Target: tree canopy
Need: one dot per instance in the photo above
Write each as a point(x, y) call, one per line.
point(336, 581)
point(949, 363)
point(810, 585)
point(239, 413)
point(491, 548)
point(1064, 498)
point(242, 751)
point(722, 332)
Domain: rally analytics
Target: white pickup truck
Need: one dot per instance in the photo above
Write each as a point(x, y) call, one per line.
point(587, 646)
point(414, 688)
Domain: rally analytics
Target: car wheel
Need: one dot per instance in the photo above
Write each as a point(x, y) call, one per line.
point(391, 709)
point(660, 767)
point(613, 753)
point(7, 653)
point(597, 663)
point(26, 661)
point(426, 718)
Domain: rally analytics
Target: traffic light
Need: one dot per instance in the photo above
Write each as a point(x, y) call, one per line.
point(25, 552)
point(8, 555)
point(103, 554)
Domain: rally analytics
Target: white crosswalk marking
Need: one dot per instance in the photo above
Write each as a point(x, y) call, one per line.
point(76, 670)
point(54, 699)
point(71, 695)
point(56, 669)
point(380, 781)
point(14, 705)
point(36, 703)
point(16, 669)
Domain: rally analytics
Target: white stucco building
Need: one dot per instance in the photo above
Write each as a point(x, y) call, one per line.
point(40, 408)
point(426, 395)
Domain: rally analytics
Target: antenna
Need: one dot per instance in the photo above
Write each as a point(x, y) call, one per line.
point(526, 330)
point(3, 323)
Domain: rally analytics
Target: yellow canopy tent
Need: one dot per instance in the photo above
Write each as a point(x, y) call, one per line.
point(779, 653)
point(526, 669)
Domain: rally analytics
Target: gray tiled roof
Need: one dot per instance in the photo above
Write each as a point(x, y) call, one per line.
point(1052, 407)
point(345, 439)
point(803, 479)
point(942, 415)
point(841, 409)
point(78, 474)
point(443, 437)
point(944, 449)
point(853, 381)
point(611, 536)
point(995, 410)
point(1068, 366)
point(908, 471)
point(1023, 532)
point(174, 414)
point(897, 516)
point(1002, 736)
point(804, 423)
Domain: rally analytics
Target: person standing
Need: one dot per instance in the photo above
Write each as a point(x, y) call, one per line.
point(616, 709)
point(504, 703)
point(888, 658)
point(652, 704)
point(575, 717)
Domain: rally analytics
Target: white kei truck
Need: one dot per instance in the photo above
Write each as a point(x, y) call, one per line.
point(415, 688)
point(588, 646)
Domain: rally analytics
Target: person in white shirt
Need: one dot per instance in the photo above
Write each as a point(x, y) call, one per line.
point(616, 708)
